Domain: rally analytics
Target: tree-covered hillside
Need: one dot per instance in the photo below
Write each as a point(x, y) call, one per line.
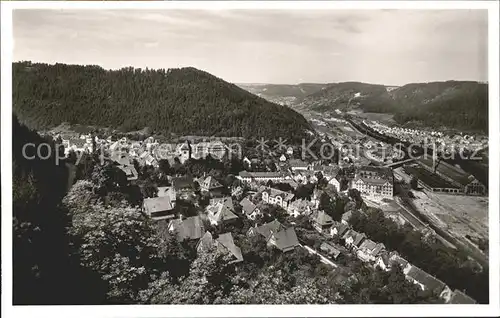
point(453, 104)
point(347, 95)
point(277, 92)
point(461, 105)
point(180, 101)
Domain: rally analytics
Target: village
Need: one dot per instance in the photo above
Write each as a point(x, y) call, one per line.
point(286, 205)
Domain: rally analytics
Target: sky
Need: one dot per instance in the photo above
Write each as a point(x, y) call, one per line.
point(391, 47)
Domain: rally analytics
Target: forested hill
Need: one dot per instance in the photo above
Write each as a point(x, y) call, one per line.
point(347, 95)
point(181, 101)
point(453, 104)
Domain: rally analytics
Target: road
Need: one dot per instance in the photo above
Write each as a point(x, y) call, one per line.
point(409, 216)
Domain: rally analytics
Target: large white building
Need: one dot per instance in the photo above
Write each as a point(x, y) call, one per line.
point(374, 182)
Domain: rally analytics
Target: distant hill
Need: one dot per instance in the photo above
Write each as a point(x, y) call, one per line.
point(460, 105)
point(451, 104)
point(184, 101)
point(283, 93)
point(349, 95)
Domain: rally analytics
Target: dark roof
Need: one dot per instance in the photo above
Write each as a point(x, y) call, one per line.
point(452, 172)
point(374, 173)
point(341, 228)
point(266, 229)
point(322, 218)
point(286, 238)
point(190, 228)
point(459, 297)
point(430, 282)
point(180, 183)
point(359, 238)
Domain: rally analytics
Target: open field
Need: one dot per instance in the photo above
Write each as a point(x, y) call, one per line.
point(459, 215)
point(383, 118)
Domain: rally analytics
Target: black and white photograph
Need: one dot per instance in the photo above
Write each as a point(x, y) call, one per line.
point(250, 155)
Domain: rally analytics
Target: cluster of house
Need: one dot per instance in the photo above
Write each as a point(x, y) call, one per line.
point(420, 136)
point(147, 152)
point(221, 210)
point(377, 256)
point(370, 181)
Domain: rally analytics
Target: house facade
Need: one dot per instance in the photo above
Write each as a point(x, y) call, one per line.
point(277, 197)
point(321, 221)
point(374, 182)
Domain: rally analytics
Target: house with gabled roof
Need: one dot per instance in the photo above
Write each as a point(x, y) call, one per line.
point(382, 261)
point(369, 250)
point(424, 280)
point(249, 208)
point(353, 238)
point(211, 185)
point(285, 240)
point(224, 243)
point(339, 229)
point(336, 182)
point(301, 207)
point(265, 229)
point(190, 228)
point(158, 208)
point(305, 176)
point(276, 234)
point(321, 221)
point(396, 260)
point(277, 197)
point(206, 243)
point(222, 211)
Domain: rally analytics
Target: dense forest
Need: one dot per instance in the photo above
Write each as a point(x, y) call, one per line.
point(182, 101)
point(460, 105)
point(41, 243)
